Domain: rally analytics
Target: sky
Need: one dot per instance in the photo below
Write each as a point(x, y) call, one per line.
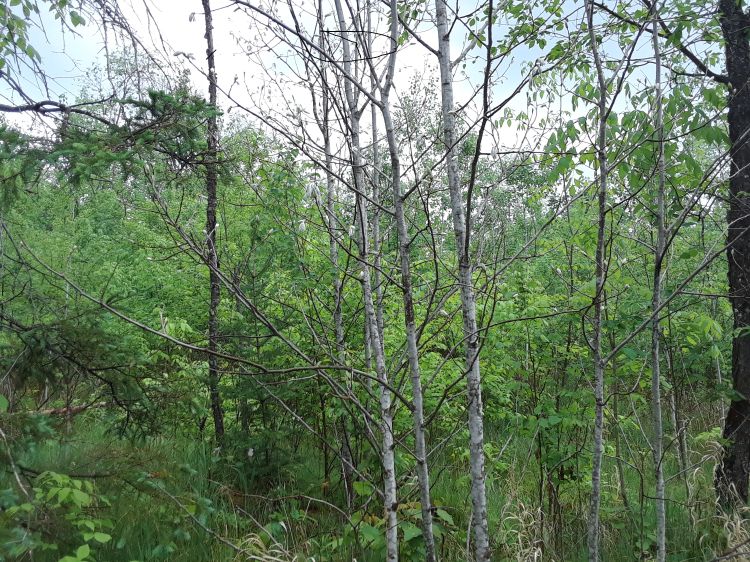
point(175, 29)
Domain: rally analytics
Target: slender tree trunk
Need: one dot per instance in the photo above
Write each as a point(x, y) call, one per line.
point(717, 364)
point(388, 444)
point(678, 421)
point(420, 451)
point(376, 239)
point(596, 339)
point(345, 453)
point(376, 194)
point(368, 353)
point(657, 444)
point(468, 305)
point(732, 473)
point(618, 448)
point(386, 415)
point(347, 462)
point(212, 154)
point(333, 249)
point(377, 197)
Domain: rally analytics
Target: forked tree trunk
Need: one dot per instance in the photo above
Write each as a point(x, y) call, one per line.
point(386, 415)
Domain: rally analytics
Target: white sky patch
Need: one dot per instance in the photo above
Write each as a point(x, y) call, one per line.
point(175, 28)
point(264, 76)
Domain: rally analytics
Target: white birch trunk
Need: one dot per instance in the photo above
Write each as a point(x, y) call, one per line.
point(347, 463)
point(468, 306)
point(596, 340)
point(659, 255)
point(388, 446)
point(420, 447)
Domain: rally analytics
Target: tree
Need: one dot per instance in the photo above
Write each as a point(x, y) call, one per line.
point(497, 295)
point(212, 163)
point(602, 106)
point(656, 335)
point(468, 302)
point(734, 469)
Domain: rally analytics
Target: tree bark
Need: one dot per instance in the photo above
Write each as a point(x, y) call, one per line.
point(717, 364)
point(468, 304)
point(598, 304)
point(212, 153)
point(420, 447)
point(733, 471)
point(386, 415)
point(345, 452)
point(657, 444)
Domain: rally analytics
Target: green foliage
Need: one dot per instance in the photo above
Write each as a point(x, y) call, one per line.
point(104, 292)
point(59, 507)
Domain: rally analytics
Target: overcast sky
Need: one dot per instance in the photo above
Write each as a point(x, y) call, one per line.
point(177, 26)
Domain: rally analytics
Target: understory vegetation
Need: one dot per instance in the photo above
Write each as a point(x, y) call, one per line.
point(425, 281)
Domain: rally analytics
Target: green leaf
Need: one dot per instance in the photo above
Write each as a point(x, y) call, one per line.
point(411, 531)
point(102, 537)
point(362, 488)
point(369, 533)
point(76, 19)
point(80, 498)
point(83, 551)
point(445, 516)
point(4, 404)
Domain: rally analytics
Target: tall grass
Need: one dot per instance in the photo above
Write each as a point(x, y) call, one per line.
point(177, 499)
